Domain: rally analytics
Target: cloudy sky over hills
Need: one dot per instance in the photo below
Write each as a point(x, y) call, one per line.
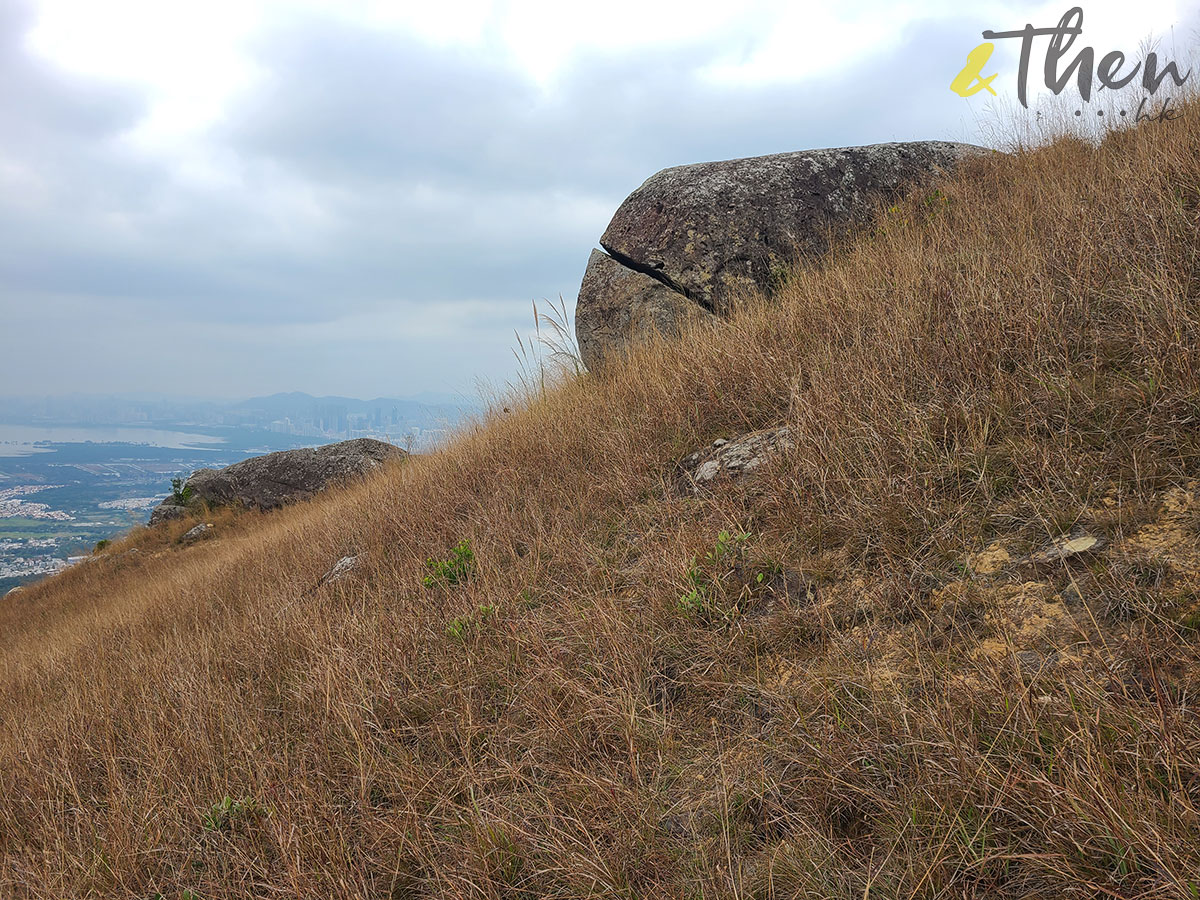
point(236, 197)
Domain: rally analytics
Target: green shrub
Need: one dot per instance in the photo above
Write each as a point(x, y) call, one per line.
point(181, 493)
point(458, 568)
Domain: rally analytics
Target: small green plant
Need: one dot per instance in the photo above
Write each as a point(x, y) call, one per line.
point(778, 278)
point(458, 628)
point(222, 816)
point(727, 543)
point(458, 568)
point(694, 601)
point(181, 493)
point(706, 575)
point(503, 856)
point(893, 220)
point(937, 200)
point(101, 546)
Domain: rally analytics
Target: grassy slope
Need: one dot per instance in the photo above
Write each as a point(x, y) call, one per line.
point(889, 712)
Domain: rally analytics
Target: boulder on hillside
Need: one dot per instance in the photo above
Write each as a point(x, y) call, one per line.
point(709, 231)
point(267, 482)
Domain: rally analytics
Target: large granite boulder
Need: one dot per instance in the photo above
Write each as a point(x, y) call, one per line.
point(710, 231)
point(267, 482)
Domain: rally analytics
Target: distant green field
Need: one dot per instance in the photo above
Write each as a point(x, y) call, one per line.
point(70, 538)
point(19, 527)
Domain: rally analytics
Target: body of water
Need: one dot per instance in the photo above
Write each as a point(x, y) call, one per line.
point(22, 440)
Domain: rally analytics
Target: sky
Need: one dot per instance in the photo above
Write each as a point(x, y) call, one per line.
point(238, 197)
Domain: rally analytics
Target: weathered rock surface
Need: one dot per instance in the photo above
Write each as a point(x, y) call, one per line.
point(166, 511)
point(710, 231)
point(267, 482)
point(733, 459)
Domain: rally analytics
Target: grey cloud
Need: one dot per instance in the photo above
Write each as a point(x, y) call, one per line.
point(358, 107)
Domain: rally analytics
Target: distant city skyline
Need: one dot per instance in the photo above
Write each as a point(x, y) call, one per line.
point(427, 397)
point(297, 414)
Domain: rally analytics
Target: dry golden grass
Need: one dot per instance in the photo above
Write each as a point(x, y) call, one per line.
point(906, 705)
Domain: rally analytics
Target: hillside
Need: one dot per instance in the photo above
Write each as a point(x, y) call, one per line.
point(858, 673)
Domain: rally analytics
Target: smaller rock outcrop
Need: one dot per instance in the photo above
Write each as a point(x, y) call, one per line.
point(270, 481)
point(735, 458)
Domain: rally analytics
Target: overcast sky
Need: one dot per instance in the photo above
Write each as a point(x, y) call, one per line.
point(237, 197)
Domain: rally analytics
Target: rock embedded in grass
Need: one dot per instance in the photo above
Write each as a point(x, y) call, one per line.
point(1072, 545)
point(165, 512)
point(617, 304)
point(342, 568)
point(198, 532)
point(733, 458)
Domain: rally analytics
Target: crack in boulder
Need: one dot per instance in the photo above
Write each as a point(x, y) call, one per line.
point(656, 273)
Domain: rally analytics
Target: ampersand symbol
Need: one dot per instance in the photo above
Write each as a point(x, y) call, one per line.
point(970, 80)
